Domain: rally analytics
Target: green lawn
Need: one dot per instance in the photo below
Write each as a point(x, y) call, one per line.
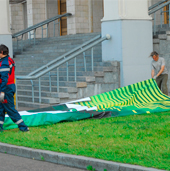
point(139, 139)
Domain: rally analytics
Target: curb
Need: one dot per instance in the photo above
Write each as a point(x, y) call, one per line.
point(80, 162)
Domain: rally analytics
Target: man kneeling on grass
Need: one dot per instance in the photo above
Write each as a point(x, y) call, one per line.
point(7, 90)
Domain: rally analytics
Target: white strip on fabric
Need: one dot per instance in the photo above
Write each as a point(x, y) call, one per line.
point(4, 69)
point(10, 66)
point(23, 113)
point(80, 108)
point(18, 122)
point(80, 100)
point(1, 122)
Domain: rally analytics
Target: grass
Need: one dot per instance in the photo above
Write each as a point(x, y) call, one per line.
point(139, 139)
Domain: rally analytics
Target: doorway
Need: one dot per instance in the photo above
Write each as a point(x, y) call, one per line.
point(166, 14)
point(62, 9)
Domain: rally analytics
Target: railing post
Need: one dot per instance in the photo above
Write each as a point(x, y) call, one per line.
point(42, 31)
point(84, 56)
point(67, 69)
point(39, 89)
point(54, 29)
point(30, 36)
point(75, 74)
point(22, 42)
point(59, 27)
point(50, 80)
point(169, 15)
point(32, 90)
point(47, 30)
point(161, 17)
point(34, 35)
point(58, 79)
point(16, 93)
point(92, 58)
point(17, 43)
point(154, 23)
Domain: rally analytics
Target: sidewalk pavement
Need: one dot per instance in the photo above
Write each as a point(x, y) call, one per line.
point(80, 162)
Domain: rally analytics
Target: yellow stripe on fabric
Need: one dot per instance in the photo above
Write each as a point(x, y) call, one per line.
point(144, 85)
point(141, 93)
point(149, 94)
point(113, 95)
point(134, 91)
point(118, 100)
point(117, 93)
point(154, 94)
point(107, 103)
point(158, 92)
point(138, 95)
point(125, 94)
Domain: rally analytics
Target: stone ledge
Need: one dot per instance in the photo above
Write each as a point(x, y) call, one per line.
point(81, 84)
point(108, 69)
point(90, 79)
point(72, 90)
point(162, 36)
point(99, 74)
point(156, 41)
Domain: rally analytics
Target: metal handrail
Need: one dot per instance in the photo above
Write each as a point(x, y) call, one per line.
point(64, 55)
point(36, 26)
point(63, 61)
point(159, 7)
point(89, 45)
point(156, 4)
point(15, 35)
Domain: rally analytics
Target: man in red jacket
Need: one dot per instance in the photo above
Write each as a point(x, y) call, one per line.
point(7, 90)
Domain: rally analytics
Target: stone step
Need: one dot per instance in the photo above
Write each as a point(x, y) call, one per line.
point(44, 94)
point(47, 50)
point(46, 78)
point(45, 100)
point(61, 73)
point(65, 38)
point(45, 88)
point(46, 83)
point(32, 105)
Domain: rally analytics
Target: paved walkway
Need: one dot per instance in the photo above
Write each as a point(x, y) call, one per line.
point(14, 163)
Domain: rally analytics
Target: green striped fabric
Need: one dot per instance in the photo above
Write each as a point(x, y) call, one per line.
point(139, 95)
point(139, 98)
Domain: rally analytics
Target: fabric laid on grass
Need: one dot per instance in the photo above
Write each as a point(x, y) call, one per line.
point(139, 98)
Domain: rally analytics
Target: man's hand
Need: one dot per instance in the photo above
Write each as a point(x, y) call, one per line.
point(155, 77)
point(2, 95)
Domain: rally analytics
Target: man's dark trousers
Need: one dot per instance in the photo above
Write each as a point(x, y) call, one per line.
point(162, 83)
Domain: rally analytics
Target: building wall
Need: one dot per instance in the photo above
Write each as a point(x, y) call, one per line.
point(36, 14)
point(51, 11)
point(87, 15)
point(97, 15)
point(17, 20)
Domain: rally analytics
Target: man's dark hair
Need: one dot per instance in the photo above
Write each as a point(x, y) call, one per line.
point(4, 49)
point(154, 53)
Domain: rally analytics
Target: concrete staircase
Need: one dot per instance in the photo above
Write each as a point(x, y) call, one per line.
point(103, 78)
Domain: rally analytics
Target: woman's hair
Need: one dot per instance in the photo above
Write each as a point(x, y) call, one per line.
point(4, 49)
point(154, 53)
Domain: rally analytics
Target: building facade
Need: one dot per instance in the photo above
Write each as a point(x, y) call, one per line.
point(86, 15)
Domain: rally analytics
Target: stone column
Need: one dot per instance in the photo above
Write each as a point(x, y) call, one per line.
point(130, 27)
point(5, 32)
point(36, 13)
